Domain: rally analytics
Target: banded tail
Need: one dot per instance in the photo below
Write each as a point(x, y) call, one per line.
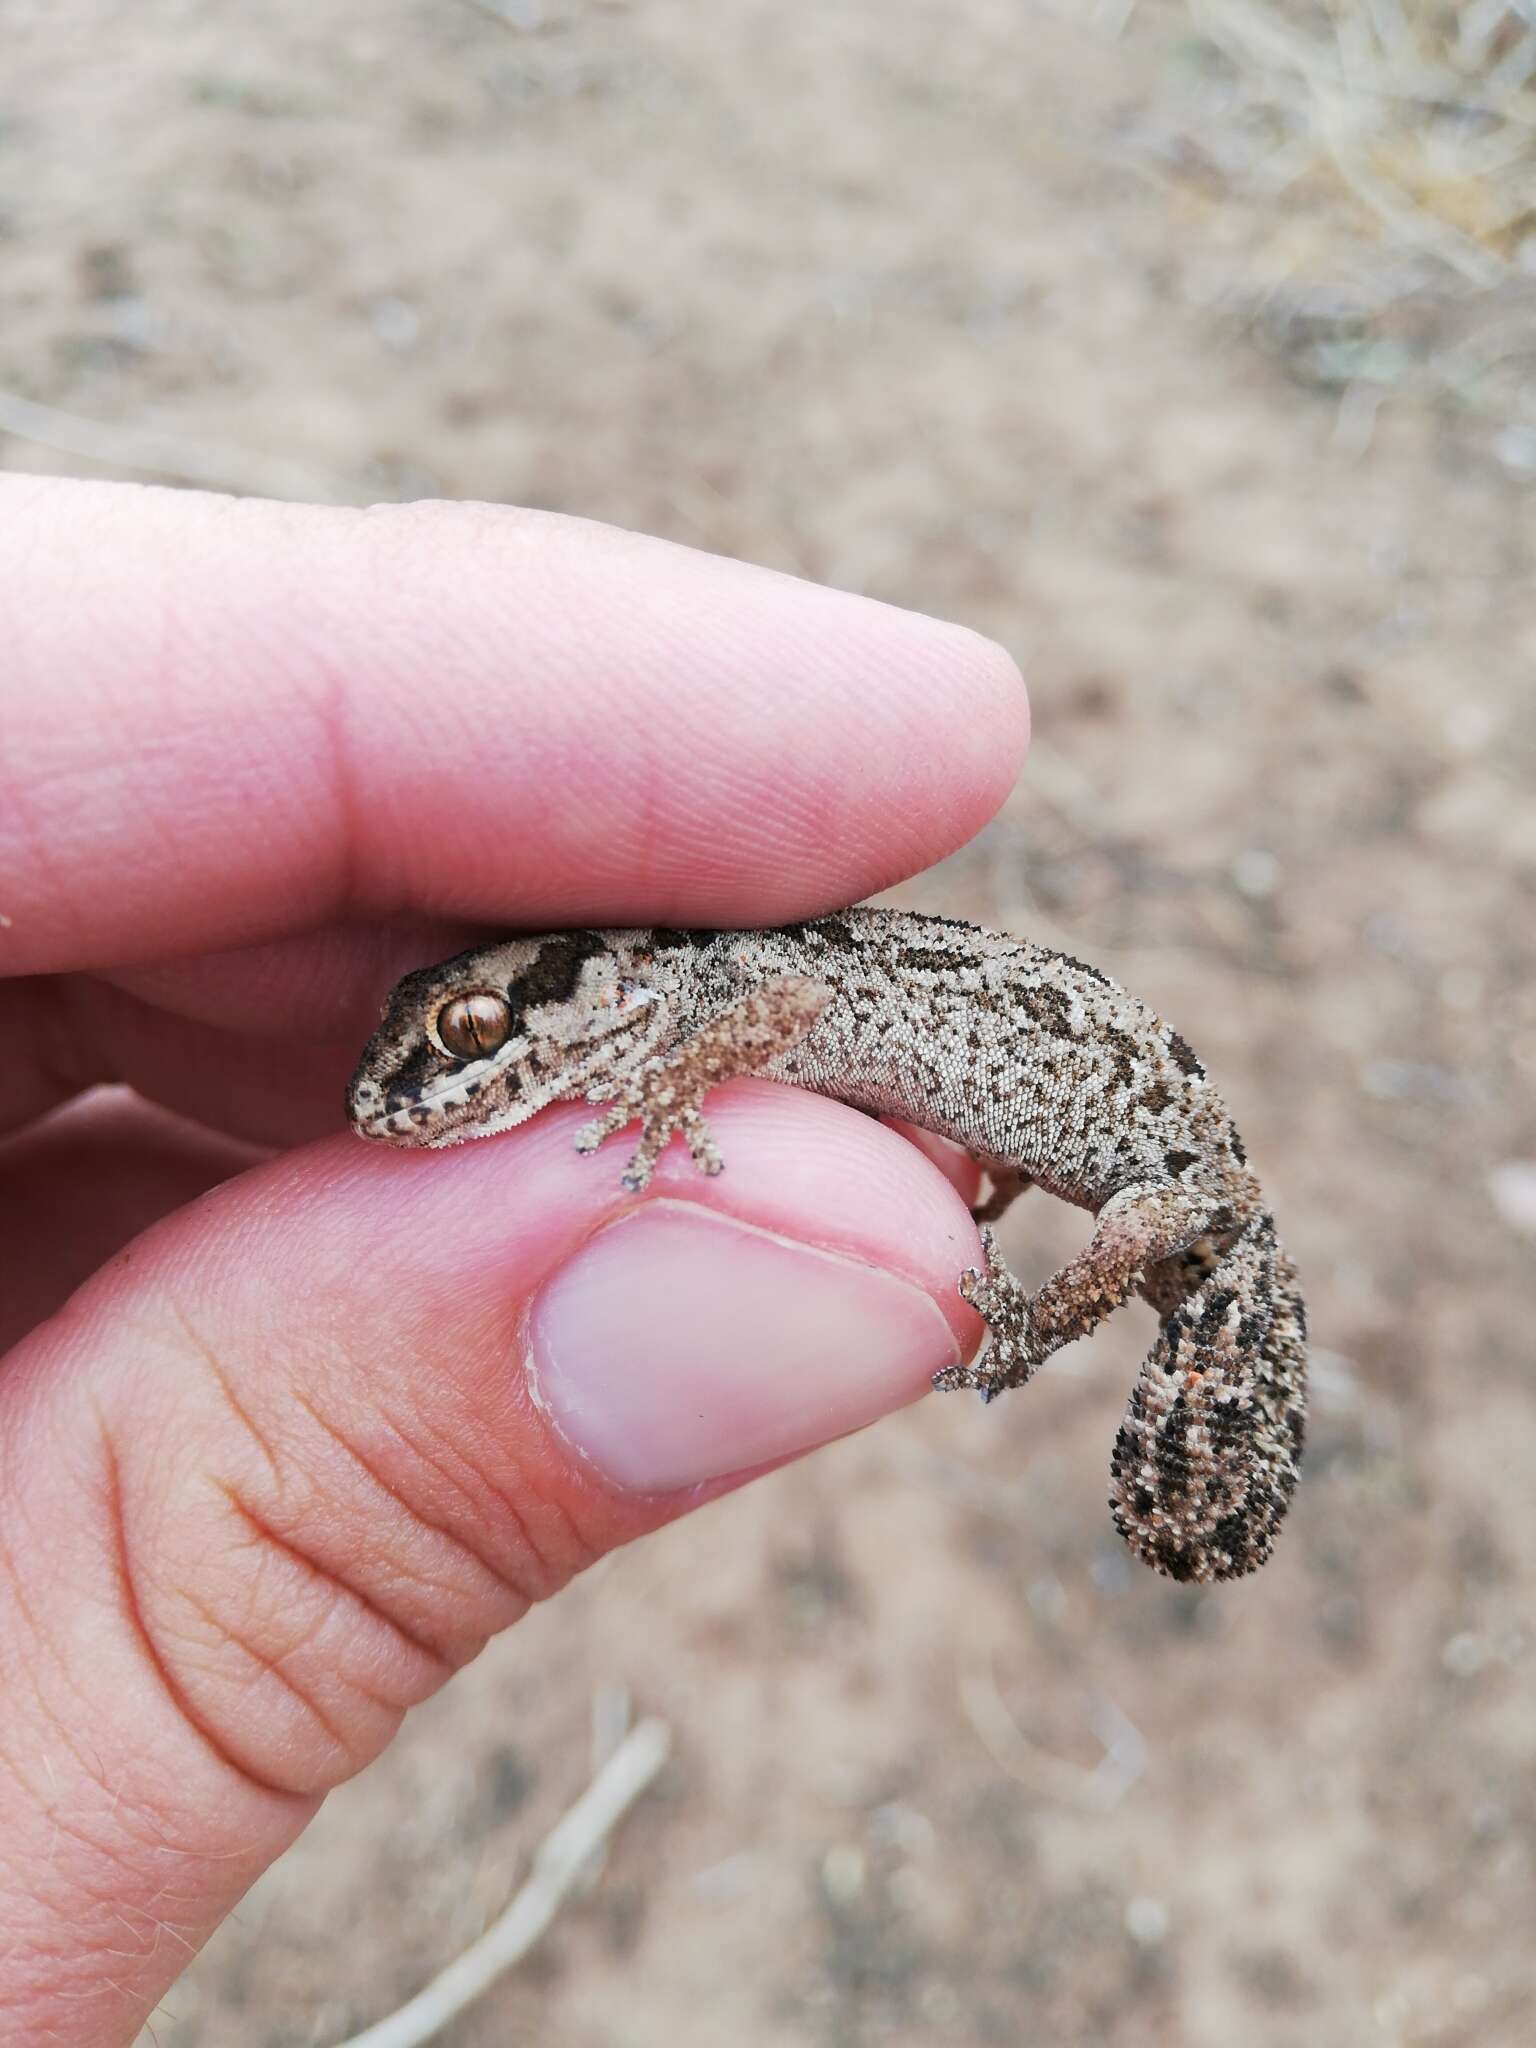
point(1208, 1455)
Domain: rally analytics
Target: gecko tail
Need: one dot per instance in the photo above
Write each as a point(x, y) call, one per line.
point(1207, 1458)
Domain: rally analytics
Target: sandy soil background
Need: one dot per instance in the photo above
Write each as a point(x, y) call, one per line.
point(954, 304)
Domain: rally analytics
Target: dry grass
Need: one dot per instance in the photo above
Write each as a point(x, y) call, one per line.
point(1378, 160)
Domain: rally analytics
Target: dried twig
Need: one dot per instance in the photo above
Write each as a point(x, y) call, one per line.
point(557, 1869)
point(1099, 1788)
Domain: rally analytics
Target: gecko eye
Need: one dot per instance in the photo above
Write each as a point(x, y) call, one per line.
point(472, 1027)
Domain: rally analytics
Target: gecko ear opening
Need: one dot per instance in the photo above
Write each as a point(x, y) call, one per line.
point(472, 1027)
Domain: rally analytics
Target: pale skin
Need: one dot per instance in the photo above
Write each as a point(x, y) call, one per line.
point(248, 776)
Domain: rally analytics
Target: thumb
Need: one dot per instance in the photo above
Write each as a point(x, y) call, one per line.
point(292, 1457)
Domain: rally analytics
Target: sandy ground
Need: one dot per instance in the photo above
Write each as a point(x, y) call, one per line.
point(878, 294)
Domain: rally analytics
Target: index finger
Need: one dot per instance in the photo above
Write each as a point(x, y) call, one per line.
point(226, 721)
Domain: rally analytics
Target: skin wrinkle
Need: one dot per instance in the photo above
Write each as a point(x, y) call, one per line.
point(555, 1577)
point(86, 1757)
point(117, 1526)
point(202, 1349)
point(348, 805)
point(519, 1599)
point(443, 1667)
point(266, 1613)
point(329, 871)
point(269, 1664)
point(550, 1573)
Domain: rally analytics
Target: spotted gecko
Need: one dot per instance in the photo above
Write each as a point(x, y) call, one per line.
point(1047, 1072)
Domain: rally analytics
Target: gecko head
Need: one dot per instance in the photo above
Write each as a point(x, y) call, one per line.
point(486, 1040)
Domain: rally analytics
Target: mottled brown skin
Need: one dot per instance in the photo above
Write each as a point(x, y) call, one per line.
point(1044, 1069)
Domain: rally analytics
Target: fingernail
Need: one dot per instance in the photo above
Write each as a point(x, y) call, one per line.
point(680, 1345)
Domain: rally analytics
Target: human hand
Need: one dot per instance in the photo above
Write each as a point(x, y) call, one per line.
point(279, 1451)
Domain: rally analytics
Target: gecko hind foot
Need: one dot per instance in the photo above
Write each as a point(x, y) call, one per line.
point(1012, 1353)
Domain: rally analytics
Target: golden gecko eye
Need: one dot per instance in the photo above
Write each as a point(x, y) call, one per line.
point(473, 1027)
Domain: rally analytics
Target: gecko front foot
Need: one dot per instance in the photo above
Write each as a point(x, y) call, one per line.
point(1012, 1352)
point(666, 1092)
point(659, 1098)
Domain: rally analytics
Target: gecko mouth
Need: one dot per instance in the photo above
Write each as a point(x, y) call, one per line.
point(412, 1124)
point(422, 1115)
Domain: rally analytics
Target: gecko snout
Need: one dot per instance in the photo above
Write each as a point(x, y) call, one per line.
point(365, 1099)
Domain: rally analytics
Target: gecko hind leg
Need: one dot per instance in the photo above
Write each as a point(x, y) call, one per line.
point(666, 1092)
point(1135, 1229)
point(1005, 1184)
